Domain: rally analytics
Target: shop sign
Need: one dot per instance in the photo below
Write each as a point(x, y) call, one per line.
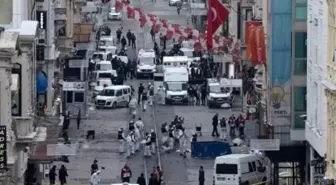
point(3, 148)
point(41, 17)
point(74, 86)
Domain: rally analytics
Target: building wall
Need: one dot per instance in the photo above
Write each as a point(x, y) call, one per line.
point(13, 12)
point(330, 92)
point(279, 68)
point(317, 35)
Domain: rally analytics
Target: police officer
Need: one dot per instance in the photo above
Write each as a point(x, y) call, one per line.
point(153, 140)
point(131, 125)
point(148, 143)
point(121, 138)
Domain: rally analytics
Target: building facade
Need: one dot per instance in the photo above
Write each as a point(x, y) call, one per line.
point(330, 85)
point(316, 122)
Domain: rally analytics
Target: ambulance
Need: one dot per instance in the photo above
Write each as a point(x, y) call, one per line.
point(146, 63)
point(175, 80)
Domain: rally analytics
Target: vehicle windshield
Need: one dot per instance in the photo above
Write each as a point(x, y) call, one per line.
point(113, 10)
point(104, 67)
point(227, 169)
point(107, 92)
point(104, 82)
point(105, 43)
point(177, 86)
point(215, 89)
point(146, 60)
point(104, 75)
point(98, 56)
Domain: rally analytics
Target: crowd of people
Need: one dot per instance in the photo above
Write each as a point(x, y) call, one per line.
point(236, 126)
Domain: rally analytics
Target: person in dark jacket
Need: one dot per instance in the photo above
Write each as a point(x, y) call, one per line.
point(62, 175)
point(133, 39)
point(119, 32)
point(123, 43)
point(94, 166)
point(201, 178)
point(78, 119)
point(153, 180)
point(126, 174)
point(52, 175)
point(140, 91)
point(141, 180)
point(129, 37)
point(215, 125)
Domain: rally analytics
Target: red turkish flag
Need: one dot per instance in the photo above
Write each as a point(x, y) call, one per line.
point(118, 6)
point(217, 14)
point(142, 20)
point(169, 34)
point(130, 13)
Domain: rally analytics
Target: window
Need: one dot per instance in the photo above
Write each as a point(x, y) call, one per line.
point(226, 169)
point(252, 166)
point(119, 93)
point(125, 91)
point(16, 90)
point(299, 121)
point(79, 97)
point(300, 45)
point(300, 67)
point(69, 97)
point(6, 9)
point(300, 13)
point(300, 98)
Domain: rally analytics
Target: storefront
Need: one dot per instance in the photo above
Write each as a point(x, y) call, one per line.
point(74, 94)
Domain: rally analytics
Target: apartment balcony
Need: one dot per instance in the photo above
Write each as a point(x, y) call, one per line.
point(24, 129)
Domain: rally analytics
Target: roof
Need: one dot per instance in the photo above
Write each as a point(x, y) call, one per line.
point(116, 87)
point(233, 156)
point(28, 30)
point(146, 53)
point(39, 153)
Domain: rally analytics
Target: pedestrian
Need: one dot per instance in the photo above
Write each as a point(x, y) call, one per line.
point(95, 178)
point(126, 174)
point(133, 143)
point(152, 32)
point(137, 138)
point(129, 37)
point(201, 177)
point(161, 93)
point(133, 41)
point(151, 93)
point(144, 99)
point(52, 175)
point(148, 143)
point(152, 180)
point(121, 139)
point(141, 179)
point(164, 41)
point(123, 43)
point(140, 91)
point(62, 175)
point(160, 172)
point(118, 32)
point(153, 140)
point(94, 167)
point(140, 125)
point(66, 121)
point(222, 129)
point(232, 127)
point(214, 125)
point(78, 118)
point(183, 143)
point(128, 146)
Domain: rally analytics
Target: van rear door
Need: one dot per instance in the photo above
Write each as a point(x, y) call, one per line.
point(226, 174)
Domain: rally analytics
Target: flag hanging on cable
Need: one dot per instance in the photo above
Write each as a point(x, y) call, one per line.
point(217, 14)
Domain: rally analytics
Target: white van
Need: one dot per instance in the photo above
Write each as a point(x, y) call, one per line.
point(99, 55)
point(146, 63)
point(113, 97)
point(103, 66)
point(176, 85)
point(239, 169)
point(101, 83)
point(175, 61)
point(218, 96)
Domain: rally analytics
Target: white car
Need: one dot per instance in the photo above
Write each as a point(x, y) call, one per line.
point(113, 15)
point(100, 85)
point(113, 96)
point(174, 2)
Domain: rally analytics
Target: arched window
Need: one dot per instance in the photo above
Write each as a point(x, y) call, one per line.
point(16, 90)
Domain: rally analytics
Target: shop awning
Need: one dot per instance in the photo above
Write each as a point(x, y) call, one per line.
point(82, 32)
point(39, 152)
point(41, 82)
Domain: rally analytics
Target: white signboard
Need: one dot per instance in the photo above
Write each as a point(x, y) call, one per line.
point(74, 86)
point(231, 82)
point(77, 63)
point(265, 144)
point(61, 149)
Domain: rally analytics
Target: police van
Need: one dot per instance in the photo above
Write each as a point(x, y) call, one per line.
point(240, 169)
point(99, 55)
point(113, 97)
point(146, 65)
point(176, 85)
point(218, 96)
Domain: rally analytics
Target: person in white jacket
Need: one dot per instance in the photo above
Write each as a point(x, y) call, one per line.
point(128, 146)
point(137, 138)
point(161, 93)
point(95, 178)
point(139, 123)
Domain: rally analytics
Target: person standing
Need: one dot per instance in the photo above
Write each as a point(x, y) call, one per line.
point(129, 37)
point(133, 41)
point(140, 91)
point(222, 129)
point(139, 123)
point(137, 138)
point(121, 139)
point(153, 180)
point(141, 179)
point(148, 143)
point(153, 140)
point(144, 99)
point(152, 34)
point(129, 144)
point(201, 177)
point(62, 175)
point(94, 167)
point(151, 94)
point(161, 94)
point(215, 125)
point(78, 118)
point(126, 174)
point(95, 178)
point(123, 43)
point(119, 32)
point(52, 175)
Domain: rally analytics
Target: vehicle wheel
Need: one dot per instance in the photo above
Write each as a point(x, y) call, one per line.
point(114, 105)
